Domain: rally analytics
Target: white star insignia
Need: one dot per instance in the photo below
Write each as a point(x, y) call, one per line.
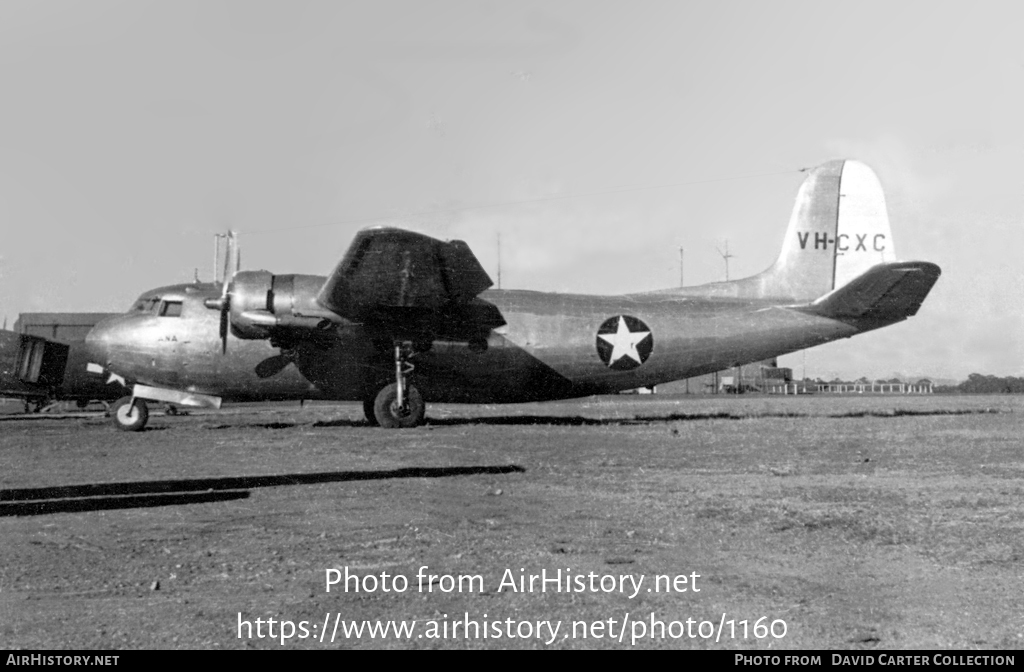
point(624, 342)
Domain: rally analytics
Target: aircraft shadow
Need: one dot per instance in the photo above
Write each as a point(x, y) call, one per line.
point(140, 494)
point(261, 425)
point(512, 420)
point(342, 423)
point(579, 421)
point(576, 420)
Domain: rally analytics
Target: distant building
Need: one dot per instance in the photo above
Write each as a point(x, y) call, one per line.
point(65, 327)
point(753, 377)
point(767, 377)
point(863, 385)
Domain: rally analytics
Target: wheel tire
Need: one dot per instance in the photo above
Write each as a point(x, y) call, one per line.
point(388, 415)
point(129, 417)
point(368, 411)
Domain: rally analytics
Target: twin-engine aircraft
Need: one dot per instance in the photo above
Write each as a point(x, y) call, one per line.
point(406, 319)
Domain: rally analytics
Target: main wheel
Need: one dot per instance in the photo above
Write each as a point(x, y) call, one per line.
point(368, 404)
point(389, 415)
point(129, 417)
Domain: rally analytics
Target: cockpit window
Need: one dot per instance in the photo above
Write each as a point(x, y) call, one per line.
point(145, 305)
point(170, 309)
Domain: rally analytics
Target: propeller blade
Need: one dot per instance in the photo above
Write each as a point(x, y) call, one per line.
point(224, 317)
point(272, 366)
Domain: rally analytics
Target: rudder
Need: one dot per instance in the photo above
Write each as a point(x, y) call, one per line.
point(864, 238)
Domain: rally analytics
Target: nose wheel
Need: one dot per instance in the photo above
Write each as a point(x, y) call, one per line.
point(129, 415)
point(398, 405)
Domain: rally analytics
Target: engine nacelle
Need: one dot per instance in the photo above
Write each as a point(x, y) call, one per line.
point(261, 301)
point(250, 291)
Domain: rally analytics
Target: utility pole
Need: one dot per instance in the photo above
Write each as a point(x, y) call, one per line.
point(681, 284)
point(499, 259)
point(726, 257)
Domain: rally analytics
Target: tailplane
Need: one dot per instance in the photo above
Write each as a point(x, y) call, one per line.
point(884, 293)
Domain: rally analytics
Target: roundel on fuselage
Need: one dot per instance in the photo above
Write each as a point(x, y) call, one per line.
point(624, 342)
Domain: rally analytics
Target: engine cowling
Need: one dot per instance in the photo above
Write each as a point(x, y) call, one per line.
point(259, 302)
point(251, 297)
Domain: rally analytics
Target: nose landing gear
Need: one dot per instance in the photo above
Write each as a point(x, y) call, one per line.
point(129, 415)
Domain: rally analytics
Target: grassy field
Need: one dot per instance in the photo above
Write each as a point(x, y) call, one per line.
point(847, 522)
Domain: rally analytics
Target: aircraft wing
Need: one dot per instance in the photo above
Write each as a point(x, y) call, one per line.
point(406, 282)
point(889, 292)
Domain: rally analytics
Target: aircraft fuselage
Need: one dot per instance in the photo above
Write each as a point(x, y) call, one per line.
point(553, 346)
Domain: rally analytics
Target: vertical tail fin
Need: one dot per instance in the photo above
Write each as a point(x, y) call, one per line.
point(838, 230)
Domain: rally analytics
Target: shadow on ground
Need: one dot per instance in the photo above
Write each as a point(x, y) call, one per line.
point(141, 494)
point(577, 421)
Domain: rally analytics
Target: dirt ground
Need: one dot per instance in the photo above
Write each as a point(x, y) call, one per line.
point(786, 522)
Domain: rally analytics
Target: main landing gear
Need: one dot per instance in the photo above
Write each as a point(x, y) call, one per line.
point(129, 415)
point(399, 404)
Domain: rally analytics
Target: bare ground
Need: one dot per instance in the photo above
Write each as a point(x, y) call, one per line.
point(859, 522)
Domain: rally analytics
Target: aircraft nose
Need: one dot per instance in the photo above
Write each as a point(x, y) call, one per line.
point(105, 339)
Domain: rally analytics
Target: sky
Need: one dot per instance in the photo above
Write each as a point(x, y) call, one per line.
point(595, 139)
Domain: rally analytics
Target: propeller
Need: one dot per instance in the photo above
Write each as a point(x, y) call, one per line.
point(247, 311)
point(232, 263)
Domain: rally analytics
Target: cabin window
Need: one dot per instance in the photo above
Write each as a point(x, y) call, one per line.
point(170, 309)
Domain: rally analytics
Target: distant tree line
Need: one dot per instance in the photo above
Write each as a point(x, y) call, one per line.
point(976, 383)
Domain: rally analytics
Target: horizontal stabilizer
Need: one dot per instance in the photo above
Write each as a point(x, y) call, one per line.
point(887, 292)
